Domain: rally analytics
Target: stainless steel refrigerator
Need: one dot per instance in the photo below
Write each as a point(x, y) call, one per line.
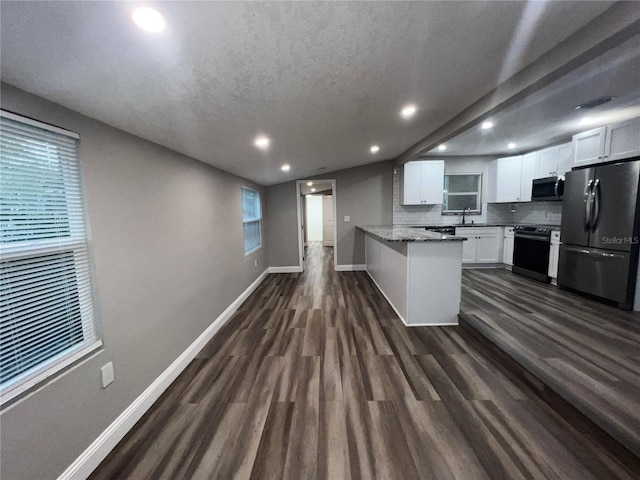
point(599, 232)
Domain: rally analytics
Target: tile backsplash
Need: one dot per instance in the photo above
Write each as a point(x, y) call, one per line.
point(542, 213)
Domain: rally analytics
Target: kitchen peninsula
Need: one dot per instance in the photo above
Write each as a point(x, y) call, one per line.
point(418, 271)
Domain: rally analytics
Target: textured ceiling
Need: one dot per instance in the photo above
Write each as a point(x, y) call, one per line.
point(324, 80)
point(549, 116)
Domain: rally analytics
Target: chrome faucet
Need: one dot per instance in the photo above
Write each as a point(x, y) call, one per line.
point(466, 211)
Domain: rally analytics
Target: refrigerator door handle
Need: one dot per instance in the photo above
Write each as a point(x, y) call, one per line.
point(592, 252)
point(577, 250)
point(595, 203)
point(587, 205)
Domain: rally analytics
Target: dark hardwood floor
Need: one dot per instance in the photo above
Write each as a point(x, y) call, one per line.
point(587, 352)
point(316, 377)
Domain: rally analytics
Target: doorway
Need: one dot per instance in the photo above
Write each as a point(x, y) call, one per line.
point(316, 217)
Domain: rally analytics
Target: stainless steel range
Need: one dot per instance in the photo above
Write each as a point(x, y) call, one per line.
point(531, 244)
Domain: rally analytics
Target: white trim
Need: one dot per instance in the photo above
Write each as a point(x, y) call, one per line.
point(291, 269)
point(350, 268)
point(334, 193)
point(35, 123)
point(87, 462)
point(47, 370)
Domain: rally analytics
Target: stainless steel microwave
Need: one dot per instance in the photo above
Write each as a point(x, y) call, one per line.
point(548, 188)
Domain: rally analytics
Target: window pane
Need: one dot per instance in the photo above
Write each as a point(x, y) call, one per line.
point(461, 183)
point(46, 300)
point(461, 191)
point(33, 202)
point(460, 202)
point(251, 216)
point(252, 238)
point(250, 204)
point(40, 311)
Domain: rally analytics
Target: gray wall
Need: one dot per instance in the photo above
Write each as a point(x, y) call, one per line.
point(281, 219)
point(363, 193)
point(168, 250)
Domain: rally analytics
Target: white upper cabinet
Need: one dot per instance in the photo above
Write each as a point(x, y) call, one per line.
point(422, 182)
point(556, 160)
point(508, 179)
point(613, 142)
point(564, 158)
point(623, 140)
point(547, 162)
point(588, 147)
point(529, 171)
point(412, 183)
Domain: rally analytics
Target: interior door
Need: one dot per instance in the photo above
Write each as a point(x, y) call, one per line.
point(574, 204)
point(615, 192)
point(327, 221)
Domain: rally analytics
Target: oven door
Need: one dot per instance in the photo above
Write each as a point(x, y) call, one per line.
point(531, 256)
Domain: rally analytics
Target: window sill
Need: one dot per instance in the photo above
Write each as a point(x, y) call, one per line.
point(37, 378)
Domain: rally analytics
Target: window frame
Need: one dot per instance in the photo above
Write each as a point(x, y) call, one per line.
point(78, 243)
point(478, 194)
point(246, 221)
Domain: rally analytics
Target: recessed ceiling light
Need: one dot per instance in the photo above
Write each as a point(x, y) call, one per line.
point(148, 19)
point(286, 167)
point(309, 184)
point(408, 111)
point(262, 142)
point(511, 145)
point(442, 147)
point(375, 148)
point(586, 120)
point(487, 125)
point(313, 189)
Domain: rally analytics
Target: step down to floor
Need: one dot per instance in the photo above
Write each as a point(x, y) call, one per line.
point(588, 422)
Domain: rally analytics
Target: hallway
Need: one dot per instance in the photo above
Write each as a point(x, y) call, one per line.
point(316, 377)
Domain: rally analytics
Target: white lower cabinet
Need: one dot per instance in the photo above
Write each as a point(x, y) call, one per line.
point(483, 245)
point(507, 249)
point(554, 255)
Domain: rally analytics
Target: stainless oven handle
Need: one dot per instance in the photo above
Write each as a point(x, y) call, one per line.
point(595, 204)
point(587, 206)
point(532, 237)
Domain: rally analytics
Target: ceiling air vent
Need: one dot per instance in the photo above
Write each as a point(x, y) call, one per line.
point(594, 103)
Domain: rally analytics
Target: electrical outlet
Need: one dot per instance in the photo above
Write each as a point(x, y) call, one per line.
point(347, 218)
point(107, 374)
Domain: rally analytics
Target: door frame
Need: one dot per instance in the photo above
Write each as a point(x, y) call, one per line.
point(334, 192)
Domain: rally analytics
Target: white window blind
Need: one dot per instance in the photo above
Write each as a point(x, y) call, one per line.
point(251, 220)
point(47, 313)
point(462, 191)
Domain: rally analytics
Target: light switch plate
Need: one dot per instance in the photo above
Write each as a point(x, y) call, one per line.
point(107, 374)
point(347, 218)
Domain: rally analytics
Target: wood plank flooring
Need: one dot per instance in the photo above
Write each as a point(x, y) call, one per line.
point(315, 377)
point(587, 352)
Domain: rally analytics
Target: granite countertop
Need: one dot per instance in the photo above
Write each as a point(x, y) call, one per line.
point(397, 233)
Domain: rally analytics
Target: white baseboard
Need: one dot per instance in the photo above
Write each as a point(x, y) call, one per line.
point(291, 269)
point(351, 268)
point(87, 462)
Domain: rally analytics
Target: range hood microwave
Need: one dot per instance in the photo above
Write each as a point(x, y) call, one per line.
point(548, 188)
